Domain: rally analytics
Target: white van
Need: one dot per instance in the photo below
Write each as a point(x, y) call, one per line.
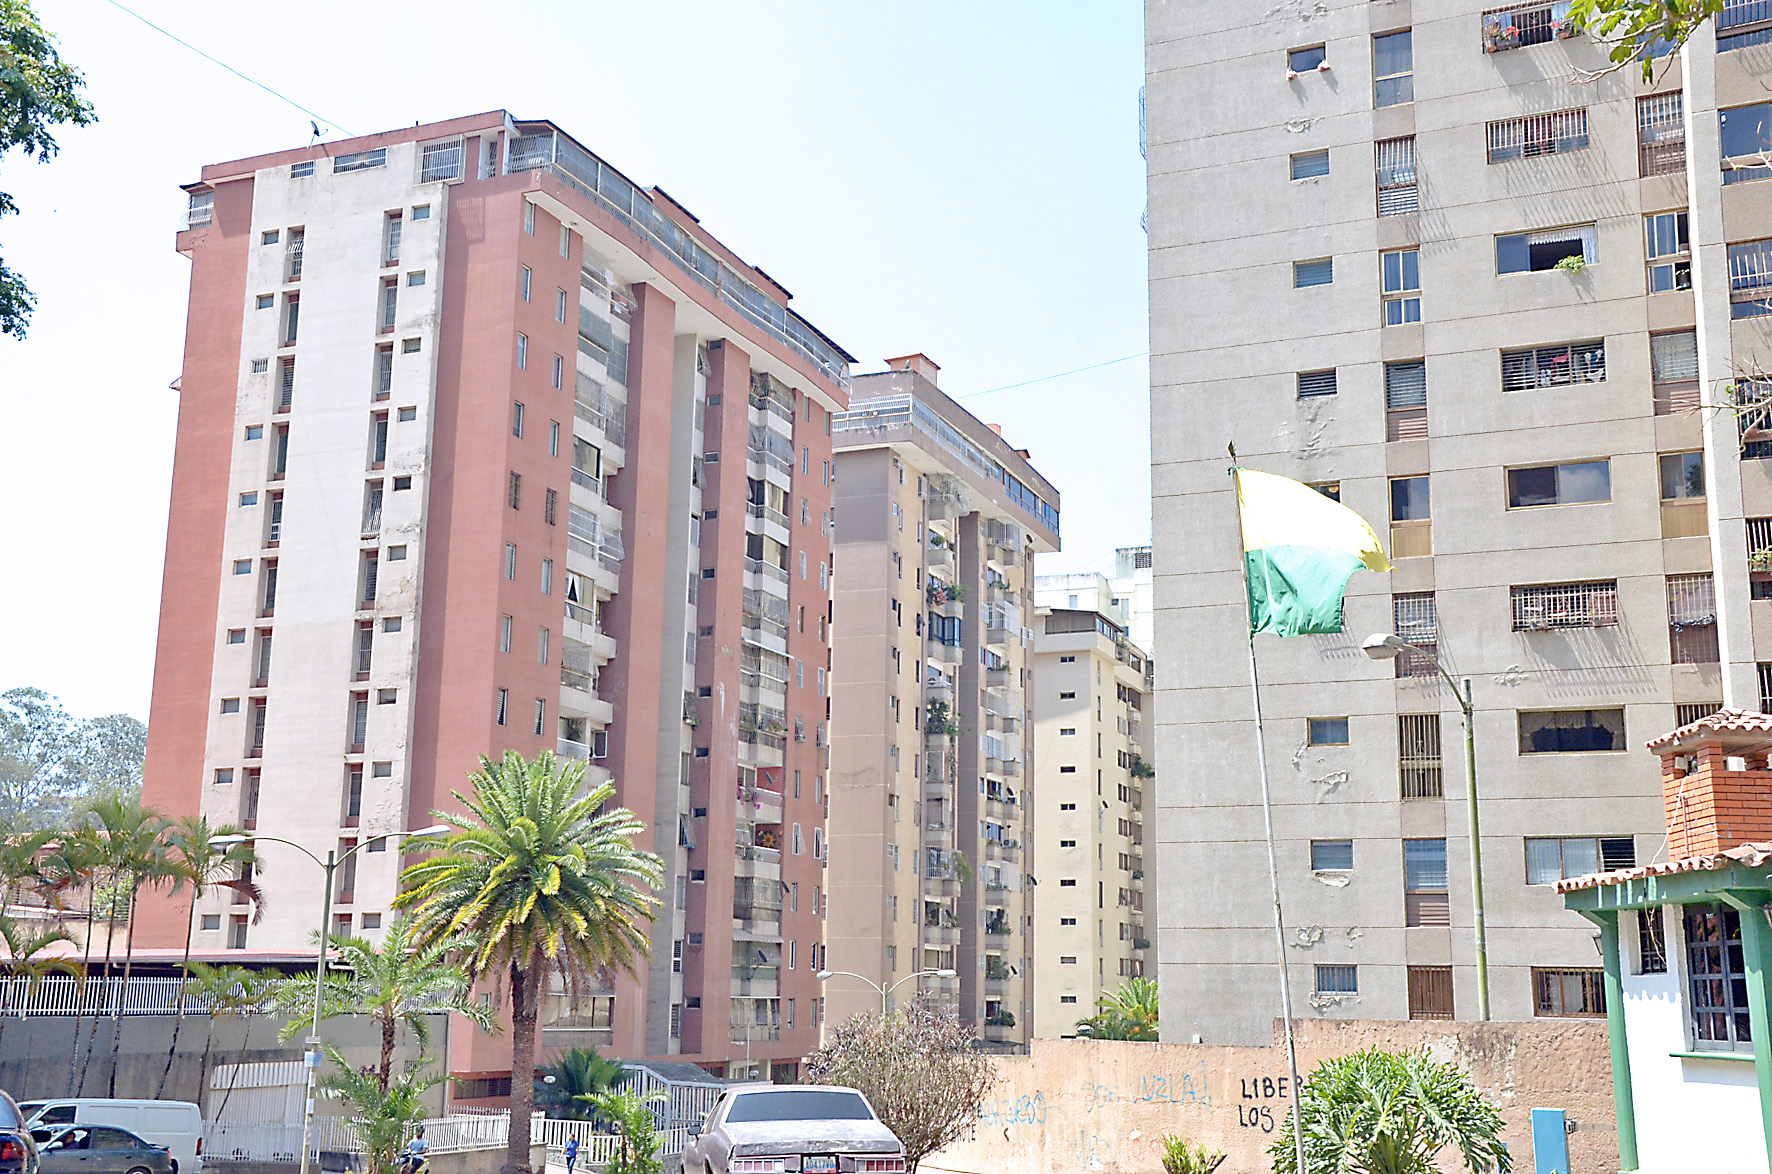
point(177, 1125)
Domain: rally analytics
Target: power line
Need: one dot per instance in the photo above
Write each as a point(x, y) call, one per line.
point(230, 69)
point(1043, 378)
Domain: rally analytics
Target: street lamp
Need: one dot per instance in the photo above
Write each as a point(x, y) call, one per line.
point(886, 991)
point(1386, 646)
point(330, 865)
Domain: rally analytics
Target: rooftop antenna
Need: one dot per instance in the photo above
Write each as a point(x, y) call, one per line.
point(316, 127)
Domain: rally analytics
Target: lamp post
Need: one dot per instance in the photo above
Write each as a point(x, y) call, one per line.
point(1386, 646)
point(330, 865)
point(886, 991)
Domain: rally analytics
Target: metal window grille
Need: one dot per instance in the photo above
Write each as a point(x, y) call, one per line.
point(391, 239)
point(1717, 976)
point(1430, 992)
point(1518, 26)
point(1553, 366)
point(1546, 606)
point(292, 257)
point(1685, 715)
point(1337, 980)
point(1765, 675)
point(286, 383)
point(1418, 756)
point(1315, 383)
point(1750, 269)
point(1661, 134)
point(370, 565)
point(1415, 620)
point(1753, 19)
point(359, 718)
point(365, 649)
point(1692, 619)
point(274, 530)
point(390, 294)
point(1537, 134)
point(359, 160)
point(440, 161)
point(200, 209)
point(1651, 942)
point(1568, 992)
point(1397, 191)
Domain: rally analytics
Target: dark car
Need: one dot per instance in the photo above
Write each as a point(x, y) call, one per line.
point(98, 1149)
point(18, 1152)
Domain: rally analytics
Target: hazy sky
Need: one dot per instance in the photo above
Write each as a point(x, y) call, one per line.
point(960, 178)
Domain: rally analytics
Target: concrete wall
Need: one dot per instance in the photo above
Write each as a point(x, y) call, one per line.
point(1098, 1106)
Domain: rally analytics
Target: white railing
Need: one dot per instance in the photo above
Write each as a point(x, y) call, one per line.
point(65, 995)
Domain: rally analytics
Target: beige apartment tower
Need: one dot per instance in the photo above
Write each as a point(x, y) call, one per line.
point(1091, 778)
point(1398, 252)
point(939, 520)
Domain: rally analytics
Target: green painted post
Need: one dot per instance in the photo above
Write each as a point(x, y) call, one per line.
point(1756, 945)
point(1624, 1104)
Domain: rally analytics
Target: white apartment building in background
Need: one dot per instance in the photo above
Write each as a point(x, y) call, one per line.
point(1399, 252)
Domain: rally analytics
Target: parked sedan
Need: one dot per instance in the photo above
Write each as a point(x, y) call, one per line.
point(98, 1149)
point(783, 1129)
point(18, 1152)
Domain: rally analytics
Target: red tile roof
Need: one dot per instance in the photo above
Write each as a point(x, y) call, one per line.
point(1724, 721)
point(1752, 855)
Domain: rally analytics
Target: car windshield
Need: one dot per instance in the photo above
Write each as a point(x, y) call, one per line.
point(9, 1119)
point(799, 1105)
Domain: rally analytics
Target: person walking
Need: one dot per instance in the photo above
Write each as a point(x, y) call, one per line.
point(571, 1151)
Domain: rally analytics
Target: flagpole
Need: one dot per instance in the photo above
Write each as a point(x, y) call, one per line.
point(1273, 866)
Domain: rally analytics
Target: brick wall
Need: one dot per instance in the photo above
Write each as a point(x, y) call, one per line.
point(1711, 807)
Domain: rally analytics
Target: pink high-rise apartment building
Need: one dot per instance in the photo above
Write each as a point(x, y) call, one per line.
point(483, 446)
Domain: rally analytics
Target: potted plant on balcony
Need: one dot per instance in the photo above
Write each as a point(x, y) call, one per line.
point(1000, 1019)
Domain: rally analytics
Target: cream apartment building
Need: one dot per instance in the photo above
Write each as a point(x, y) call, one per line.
point(932, 753)
point(1497, 313)
point(1091, 778)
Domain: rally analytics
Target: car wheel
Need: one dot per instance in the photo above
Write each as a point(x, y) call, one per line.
point(140, 1170)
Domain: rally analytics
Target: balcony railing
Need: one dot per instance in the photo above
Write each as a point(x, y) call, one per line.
point(577, 751)
point(758, 510)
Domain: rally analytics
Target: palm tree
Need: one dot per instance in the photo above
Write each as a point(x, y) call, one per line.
point(194, 859)
point(1391, 1113)
point(1130, 1013)
point(24, 947)
point(226, 990)
point(387, 1111)
point(135, 854)
point(577, 1073)
point(398, 983)
point(537, 878)
point(631, 1116)
point(20, 864)
point(72, 864)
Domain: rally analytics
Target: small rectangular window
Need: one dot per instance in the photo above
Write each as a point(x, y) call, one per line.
point(1551, 248)
point(301, 170)
point(1546, 606)
point(1332, 855)
point(1570, 731)
point(1306, 274)
point(1661, 134)
point(360, 160)
point(527, 281)
point(1426, 901)
point(1651, 942)
point(1312, 384)
point(502, 706)
point(1304, 60)
point(421, 211)
point(1745, 138)
point(1395, 176)
point(1669, 252)
point(1569, 992)
point(1576, 484)
point(1328, 731)
point(522, 352)
point(1337, 980)
point(1393, 69)
point(1310, 164)
point(1400, 283)
point(1537, 134)
point(511, 560)
point(1553, 366)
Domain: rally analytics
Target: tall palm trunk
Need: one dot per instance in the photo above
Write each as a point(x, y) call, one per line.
point(525, 997)
point(184, 969)
point(80, 988)
point(389, 1021)
point(117, 1007)
point(105, 987)
point(239, 1061)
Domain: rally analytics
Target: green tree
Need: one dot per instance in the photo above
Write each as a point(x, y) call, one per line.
point(134, 855)
point(631, 1116)
point(1632, 29)
point(1381, 1112)
point(535, 879)
point(21, 865)
point(195, 860)
point(577, 1073)
point(25, 959)
point(38, 90)
point(54, 767)
point(387, 1113)
point(1181, 1156)
point(224, 991)
point(921, 1070)
point(399, 982)
point(1129, 1013)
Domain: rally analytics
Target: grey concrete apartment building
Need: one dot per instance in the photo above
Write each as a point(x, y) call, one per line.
point(1398, 252)
point(931, 824)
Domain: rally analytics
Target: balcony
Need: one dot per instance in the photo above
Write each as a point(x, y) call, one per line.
point(940, 886)
point(577, 751)
point(995, 1034)
point(999, 678)
point(757, 924)
point(939, 554)
point(1005, 850)
point(758, 1033)
point(756, 982)
point(760, 805)
point(1002, 808)
point(935, 936)
point(938, 833)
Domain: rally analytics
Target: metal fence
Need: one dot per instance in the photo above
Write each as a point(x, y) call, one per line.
point(226, 1141)
point(65, 995)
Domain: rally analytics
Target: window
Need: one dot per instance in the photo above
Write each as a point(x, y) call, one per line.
point(255, 432)
point(415, 278)
point(1661, 134)
point(1309, 273)
point(1304, 60)
point(390, 297)
point(1328, 731)
point(1668, 251)
point(502, 706)
point(565, 241)
point(504, 633)
point(1418, 756)
point(1652, 942)
point(236, 635)
point(516, 493)
point(291, 318)
point(547, 576)
point(1425, 898)
point(1682, 475)
point(301, 170)
point(384, 371)
point(1537, 252)
point(1430, 992)
point(1416, 620)
point(1312, 384)
point(526, 282)
point(1692, 619)
point(1536, 485)
point(529, 218)
point(1546, 606)
point(550, 507)
point(516, 419)
point(1553, 366)
point(559, 371)
point(522, 352)
point(1537, 134)
point(1393, 69)
point(1400, 281)
point(1716, 970)
point(243, 566)
point(1673, 365)
point(1570, 731)
point(269, 238)
point(1411, 527)
point(1553, 859)
point(407, 415)
point(1568, 992)
point(541, 711)
point(1745, 135)
point(421, 211)
point(266, 301)
point(439, 161)
point(1337, 980)
point(1332, 855)
point(559, 305)
point(360, 160)
point(387, 696)
point(212, 921)
point(511, 560)
point(1750, 277)
point(1532, 24)
point(1405, 400)
point(1395, 175)
point(409, 346)
point(402, 483)
point(391, 238)
point(1310, 164)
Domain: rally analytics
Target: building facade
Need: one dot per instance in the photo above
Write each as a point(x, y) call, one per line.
point(483, 447)
point(940, 520)
point(1479, 300)
point(1091, 773)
